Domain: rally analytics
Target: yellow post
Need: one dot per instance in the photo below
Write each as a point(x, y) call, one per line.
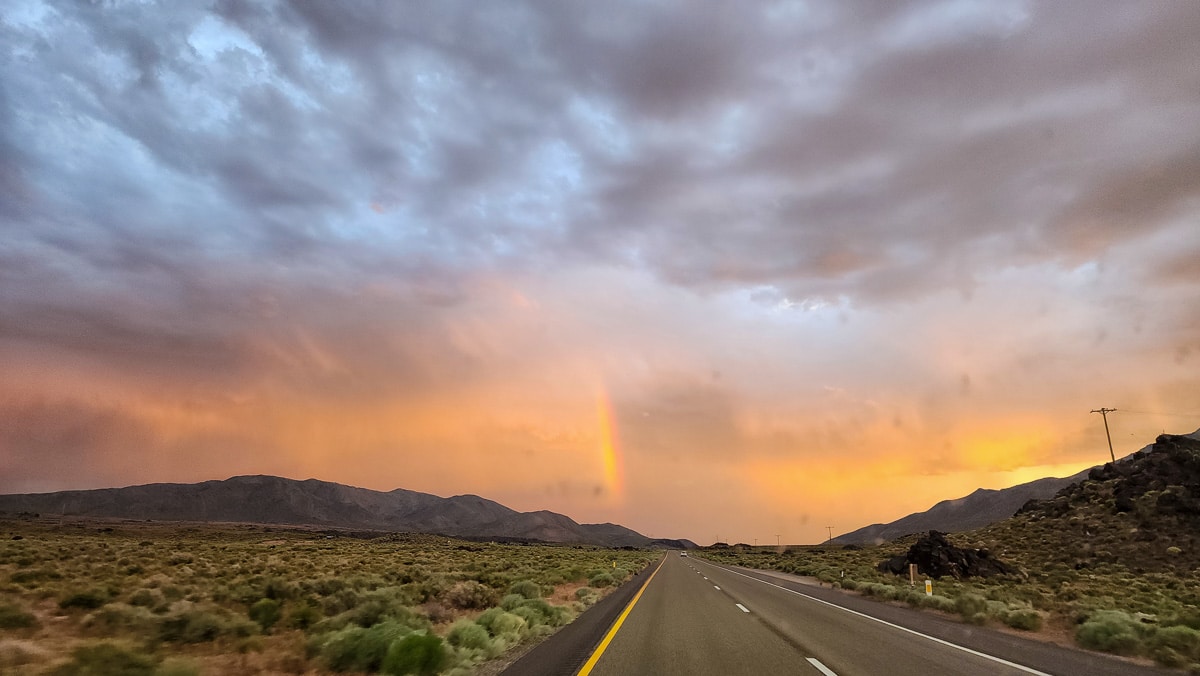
point(929, 587)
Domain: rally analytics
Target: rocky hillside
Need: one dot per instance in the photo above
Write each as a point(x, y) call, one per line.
point(275, 500)
point(1141, 512)
point(979, 509)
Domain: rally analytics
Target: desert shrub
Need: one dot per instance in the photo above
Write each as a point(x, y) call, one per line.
point(501, 623)
point(969, 605)
point(278, 590)
point(148, 598)
point(303, 616)
point(116, 617)
point(1175, 646)
point(512, 601)
point(586, 595)
point(1025, 619)
point(89, 599)
point(942, 603)
point(527, 588)
point(340, 601)
point(421, 654)
point(34, 576)
point(470, 594)
point(14, 617)
point(176, 666)
point(360, 649)
point(106, 659)
point(509, 626)
point(201, 626)
point(468, 634)
point(265, 612)
point(1111, 631)
point(601, 580)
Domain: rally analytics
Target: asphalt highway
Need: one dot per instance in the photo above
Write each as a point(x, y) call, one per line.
point(696, 618)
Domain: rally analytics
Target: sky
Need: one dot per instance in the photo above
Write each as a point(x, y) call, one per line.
point(722, 270)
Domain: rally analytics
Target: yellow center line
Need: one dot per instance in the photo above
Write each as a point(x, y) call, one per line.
point(591, 663)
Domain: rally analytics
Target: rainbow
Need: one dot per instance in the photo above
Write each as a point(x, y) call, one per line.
point(610, 449)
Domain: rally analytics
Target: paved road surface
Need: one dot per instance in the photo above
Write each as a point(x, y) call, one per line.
point(698, 618)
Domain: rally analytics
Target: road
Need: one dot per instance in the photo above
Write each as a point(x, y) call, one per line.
point(695, 618)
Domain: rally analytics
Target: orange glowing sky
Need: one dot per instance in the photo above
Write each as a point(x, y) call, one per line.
point(729, 274)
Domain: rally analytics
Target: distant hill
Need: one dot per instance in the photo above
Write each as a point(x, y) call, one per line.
point(979, 509)
point(275, 500)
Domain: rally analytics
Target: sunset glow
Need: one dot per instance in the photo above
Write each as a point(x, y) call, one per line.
point(737, 273)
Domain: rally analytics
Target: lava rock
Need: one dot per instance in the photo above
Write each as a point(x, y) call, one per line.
point(936, 557)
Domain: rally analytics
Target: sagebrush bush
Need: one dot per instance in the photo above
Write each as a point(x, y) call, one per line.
point(468, 634)
point(1175, 646)
point(1025, 619)
point(265, 612)
point(417, 653)
point(1111, 631)
point(469, 594)
point(527, 588)
point(89, 599)
point(14, 617)
point(359, 648)
point(970, 605)
point(106, 659)
point(601, 580)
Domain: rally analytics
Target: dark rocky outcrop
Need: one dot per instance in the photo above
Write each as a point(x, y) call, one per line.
point(936, 557)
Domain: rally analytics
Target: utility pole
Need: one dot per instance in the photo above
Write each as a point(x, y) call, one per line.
point(756, 543)
point(830, 529)
point(777, 540)
point(1104, 414)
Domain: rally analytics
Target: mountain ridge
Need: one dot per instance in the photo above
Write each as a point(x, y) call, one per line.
point(267, 499)
point(982, 507)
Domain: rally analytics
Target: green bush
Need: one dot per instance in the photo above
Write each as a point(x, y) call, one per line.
point(470, 594)
point(601, 580)
point(969, 605)
point(303, 616)
point(106, 659)
point(361, 649)
point(13, 617)
point(175, 666)
point(266, 613)
point(468, 634)
point(1025, 619)
point(527, 588)
point(90, 599)
point(201, 626)
point(421, 654)
point(147, 598)
point(117, 617)
point(1111, 631)
point(500, 623)
point(1175, 646)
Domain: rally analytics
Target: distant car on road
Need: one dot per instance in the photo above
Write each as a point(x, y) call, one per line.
point(683, 553)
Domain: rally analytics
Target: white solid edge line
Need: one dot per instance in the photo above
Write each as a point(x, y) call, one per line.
point(935, 639)
point(716, 587)
point(820, 667)
point(744, 608)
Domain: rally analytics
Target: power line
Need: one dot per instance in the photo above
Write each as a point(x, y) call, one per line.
point(1177, 415)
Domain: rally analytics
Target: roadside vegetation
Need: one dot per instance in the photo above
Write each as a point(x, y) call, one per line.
point(170, 600)
point(1101, 605)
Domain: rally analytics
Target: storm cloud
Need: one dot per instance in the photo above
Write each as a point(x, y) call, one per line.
point(407, 244)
